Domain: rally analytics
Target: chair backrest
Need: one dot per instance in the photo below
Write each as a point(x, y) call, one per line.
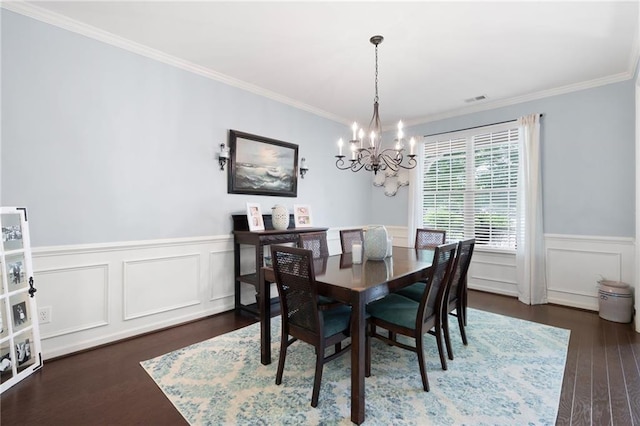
point(348, 237)
point(314, 241)
point(295, 278)
point(433, 300)
point(430, 238)
point(460, 268)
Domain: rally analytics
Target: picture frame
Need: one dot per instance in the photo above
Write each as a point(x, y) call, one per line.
point(20, 312)
point(254, 217)
point(15, 266)
point(11, 232)
point(6, 361)
point(24, 351)
point(262, 166)
point(302, 216)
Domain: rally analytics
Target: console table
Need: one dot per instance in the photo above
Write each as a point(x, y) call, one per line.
point(258, 239)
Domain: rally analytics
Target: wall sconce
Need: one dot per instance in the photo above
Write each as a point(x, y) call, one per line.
point(303, 168)
point(223, 156)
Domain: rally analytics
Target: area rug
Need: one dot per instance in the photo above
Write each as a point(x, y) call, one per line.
point(510, 373)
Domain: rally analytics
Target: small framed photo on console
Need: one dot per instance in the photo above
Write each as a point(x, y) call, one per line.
point(254, 217)
point(302, 215)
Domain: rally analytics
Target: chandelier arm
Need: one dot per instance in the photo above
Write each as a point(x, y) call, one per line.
point(411, 163)
point(356, 166)
point(340, 163)
point(390, 162)
point(398, 162)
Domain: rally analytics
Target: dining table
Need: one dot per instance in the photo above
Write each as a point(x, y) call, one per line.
point(355, 284)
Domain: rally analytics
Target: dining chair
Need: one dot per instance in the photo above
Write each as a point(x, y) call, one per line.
point(430, 238)
point(348, 237)
point(314, 241)
point(301, 317)
point(425, 239)
point(401, 315)
point(317, 243)
point(457, 297)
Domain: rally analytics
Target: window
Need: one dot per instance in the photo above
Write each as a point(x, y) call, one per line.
point(470, 184)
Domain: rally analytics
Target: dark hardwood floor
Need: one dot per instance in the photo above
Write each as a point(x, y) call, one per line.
point(107, 386)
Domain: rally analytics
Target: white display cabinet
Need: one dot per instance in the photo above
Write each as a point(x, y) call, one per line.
point(20, 350)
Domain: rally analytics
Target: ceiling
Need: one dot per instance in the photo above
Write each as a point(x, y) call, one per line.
point(317, 55)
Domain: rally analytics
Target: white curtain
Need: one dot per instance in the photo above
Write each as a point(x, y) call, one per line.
point(415, 196)
point(530, 253)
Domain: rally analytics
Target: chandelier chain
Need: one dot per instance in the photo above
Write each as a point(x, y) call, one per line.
point(375, 99)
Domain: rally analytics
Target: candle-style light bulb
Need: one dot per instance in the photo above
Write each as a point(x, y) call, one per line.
point(373, 138)
point(353, 151)
point(224, 152)
point(354, 127)
point(302, 162)
point(412, 143)
point(361, 137)
point(340, 144)
point(400, 132)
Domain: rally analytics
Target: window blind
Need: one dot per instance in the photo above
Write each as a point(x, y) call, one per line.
point(470, 184)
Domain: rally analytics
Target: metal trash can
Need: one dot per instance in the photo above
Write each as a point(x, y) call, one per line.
point(616, 301)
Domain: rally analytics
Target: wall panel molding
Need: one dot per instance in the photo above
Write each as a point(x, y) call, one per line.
point(576, 263)
point(150, 286)
point(90, 285)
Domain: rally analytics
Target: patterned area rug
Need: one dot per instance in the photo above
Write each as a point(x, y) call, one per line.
point(510, 373)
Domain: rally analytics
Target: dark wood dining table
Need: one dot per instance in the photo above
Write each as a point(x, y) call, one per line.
point(354, 284)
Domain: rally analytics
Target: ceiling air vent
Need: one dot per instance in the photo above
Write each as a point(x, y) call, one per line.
point(476, 99)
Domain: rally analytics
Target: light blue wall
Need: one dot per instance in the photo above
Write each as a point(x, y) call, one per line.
point(588, 160)
point(103, 145)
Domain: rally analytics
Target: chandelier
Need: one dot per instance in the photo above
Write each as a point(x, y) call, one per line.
point(368, 154)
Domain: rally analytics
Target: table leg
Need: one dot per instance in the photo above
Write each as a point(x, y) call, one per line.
point(264, 308)
point(236, 276)
point(358, 330)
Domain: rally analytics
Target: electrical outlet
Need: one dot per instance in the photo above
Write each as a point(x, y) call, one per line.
point(44, 315)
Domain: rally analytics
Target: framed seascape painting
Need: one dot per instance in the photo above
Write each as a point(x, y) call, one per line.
point(262, 166)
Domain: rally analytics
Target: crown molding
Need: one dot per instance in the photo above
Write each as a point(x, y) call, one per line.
point(77, 27)
point(627, 75)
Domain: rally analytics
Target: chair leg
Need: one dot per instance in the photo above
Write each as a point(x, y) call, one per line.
point(447, 337)
point(338, 347)
point(283, 354)
point(461, 323)
point(464, 307)
point(318, 377)
point(438, 334)
point(421, 362)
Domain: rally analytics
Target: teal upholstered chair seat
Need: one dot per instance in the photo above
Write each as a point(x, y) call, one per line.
point(336, 320)
point(414, 291)
point(396, 309)
point(324, 300)
point(425, 239)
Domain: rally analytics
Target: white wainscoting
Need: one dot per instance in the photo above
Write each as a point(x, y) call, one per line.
point(576, 263)
point(105, 292)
